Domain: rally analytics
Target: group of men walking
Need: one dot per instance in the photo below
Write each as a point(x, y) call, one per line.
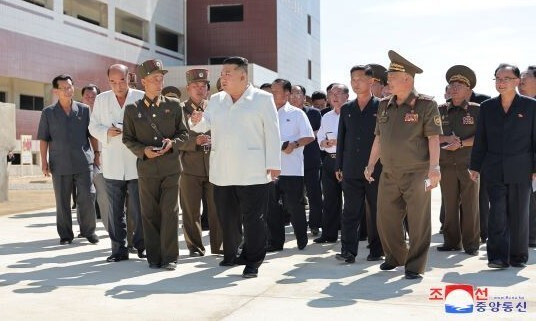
point(368, 164)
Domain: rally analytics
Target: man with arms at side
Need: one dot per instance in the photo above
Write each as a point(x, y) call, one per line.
point(354, 142)
point(407, 141)
point(504, 154)
point(63, 133)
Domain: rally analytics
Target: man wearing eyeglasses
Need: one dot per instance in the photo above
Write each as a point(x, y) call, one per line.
point(63, 133)
point(331, 186)
point(504, 154)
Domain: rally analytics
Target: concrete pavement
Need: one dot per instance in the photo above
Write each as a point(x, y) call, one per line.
point(40, 279)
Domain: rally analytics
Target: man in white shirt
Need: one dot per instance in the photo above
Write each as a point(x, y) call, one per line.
point(296, 132)
point(331, 186)
point(118, 162)
point(245, 157)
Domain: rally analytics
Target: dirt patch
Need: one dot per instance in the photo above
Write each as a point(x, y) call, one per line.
point(27, 200)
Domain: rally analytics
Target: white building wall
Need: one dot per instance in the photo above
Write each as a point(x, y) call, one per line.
point(52, 25)
point(295, 46)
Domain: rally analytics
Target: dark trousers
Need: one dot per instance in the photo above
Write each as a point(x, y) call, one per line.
point(331, 218)
point(311, 179)
point(117, 223)
point(192, 189)
point(355, 193)
point(159, 200)
point(483, 209)
point(63, 187)
point(243, 205)
point(508, 225)
point(288, 189)
point(532, 219)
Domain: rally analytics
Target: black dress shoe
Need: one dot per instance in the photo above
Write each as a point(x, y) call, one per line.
point(194, 253)
point(132, 250)
point(93, 239)
point(371, 257)
point(271, 248)
point(473, 252)
point(518, 264)
point(386, 266)
point(117, 258)
point(412, 275)
point(65, 241)
point(302, 243)
point(346, 257)
point(227, 263)
point(314, 231)
point(250, 272)
point(154, 266)
point(322, 239)
point(444, 248)
point(497, 264)
point(483, 240)
point(142, 253)
point(79, 236)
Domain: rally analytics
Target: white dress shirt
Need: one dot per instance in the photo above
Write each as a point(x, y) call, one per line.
point(329, 127)
point(245, 137)
point(118, 162)
point(293, 125)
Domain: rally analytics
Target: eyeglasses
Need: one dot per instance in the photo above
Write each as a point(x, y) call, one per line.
point(506, 79)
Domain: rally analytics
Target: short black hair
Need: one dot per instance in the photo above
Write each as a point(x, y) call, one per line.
point(91, 87)
point(266, 85)
point(318, 95)
point(514, 69)
point(287, 86)
point(302, 89)
point(328, 88)
point(240, 62)
point(62, 77)
point(532, 70)
point(366, 69)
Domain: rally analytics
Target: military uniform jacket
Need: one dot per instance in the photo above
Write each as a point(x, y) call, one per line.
point(504, 147)
point(460, 120)
point(355, 138)
point(404, 130)
point(194, 160)
point(138, 134)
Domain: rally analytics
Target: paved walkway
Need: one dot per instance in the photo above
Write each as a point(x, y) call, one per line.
point(39, 279)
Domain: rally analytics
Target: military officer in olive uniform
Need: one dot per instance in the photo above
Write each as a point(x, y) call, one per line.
point(459, 118)
point(194, 183)
point(407, 141)
point(154, 130)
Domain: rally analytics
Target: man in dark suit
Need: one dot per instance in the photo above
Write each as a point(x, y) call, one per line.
point(355, 137)
point(504, 153)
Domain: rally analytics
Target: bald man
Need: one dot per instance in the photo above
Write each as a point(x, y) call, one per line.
point(118, 162)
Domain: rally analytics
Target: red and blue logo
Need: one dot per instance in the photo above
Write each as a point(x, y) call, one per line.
point(459, 298)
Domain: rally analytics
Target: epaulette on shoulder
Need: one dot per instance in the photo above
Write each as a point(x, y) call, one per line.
point(443, 105)
point(473, 104)
point(425, 97)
